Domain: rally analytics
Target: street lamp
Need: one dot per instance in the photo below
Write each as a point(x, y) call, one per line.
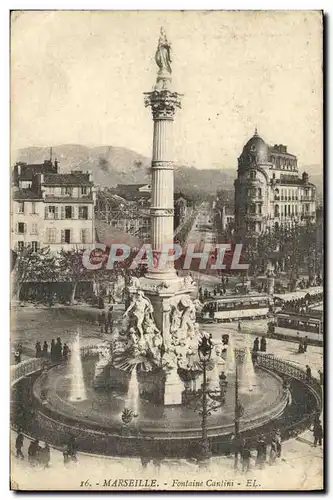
point(239, 411)
point(203, 400)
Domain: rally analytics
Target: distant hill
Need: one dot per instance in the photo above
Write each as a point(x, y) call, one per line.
point(116, 165)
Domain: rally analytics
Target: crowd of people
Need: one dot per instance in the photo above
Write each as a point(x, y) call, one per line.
point(263, 452)
point(301, 305)
point(39, 453)
point(58, 351)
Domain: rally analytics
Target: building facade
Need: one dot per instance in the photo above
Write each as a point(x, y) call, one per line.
point(269, 192)
point(52, 209)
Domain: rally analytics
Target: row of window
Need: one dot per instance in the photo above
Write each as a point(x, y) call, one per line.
point(66, 212)
point(253, 209)
point(51, 233)
point(66, 236)
point(253, 192)
point(67, 190)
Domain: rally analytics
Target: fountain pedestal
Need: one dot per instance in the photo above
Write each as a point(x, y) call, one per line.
point(173, 389)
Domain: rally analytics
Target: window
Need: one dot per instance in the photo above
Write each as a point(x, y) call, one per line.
point(51, 212)
point(50, 191)
point(83, 213)
point(259, 227)
point(84, 190)
point(34, 246)
point(253, 174)
point(288, 209)
point(21, 207)
point(84, 235)
point(66, 236)
point(20, 246)
point(33, 208)
point(252, 209)
point(68, 212)
point(259, 192)
point(34, 229)
point(274, 176)
point(259, 209)
point(21, 227)
point(67, 191)
point(51, 235)
point(285, 210)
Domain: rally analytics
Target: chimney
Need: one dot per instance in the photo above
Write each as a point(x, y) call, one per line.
point(305, 178)
point(56, 165)
point(42, 178)
point(90, 175)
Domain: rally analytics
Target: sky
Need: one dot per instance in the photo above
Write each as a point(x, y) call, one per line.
point(79, 78)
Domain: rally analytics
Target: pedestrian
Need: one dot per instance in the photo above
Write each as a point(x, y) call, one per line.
point(65, 352)
point(239, 326)
point(101, 302)
point(58, 349)
point(44, 456)
point(102, 320)
point(33, 452)
point(66, 457)
point(273, 452)
point(38, 349)
point(300, 347)
point(19, 444)
point(246, 456)
point(256, 345)
point(52, 350)
point(71, 448)
point(318, 434)
point(109, 320)
point(263, 344)
point(45, 349)
point(321, 377)
point(305, 343)
point(278, 440)
point(261, 452)
point(308, 374)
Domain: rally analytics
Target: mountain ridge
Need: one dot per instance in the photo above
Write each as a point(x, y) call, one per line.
point(112, 165)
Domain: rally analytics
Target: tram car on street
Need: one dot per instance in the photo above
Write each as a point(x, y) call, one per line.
point(226, 309)
point(296, 326)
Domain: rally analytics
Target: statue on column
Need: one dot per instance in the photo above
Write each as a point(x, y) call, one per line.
point(163, 55)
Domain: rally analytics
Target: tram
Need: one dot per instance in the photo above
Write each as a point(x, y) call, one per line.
point(226, 309)
point(295, 326)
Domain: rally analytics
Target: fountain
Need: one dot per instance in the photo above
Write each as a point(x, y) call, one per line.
point(230, 358)
point(154, 352)
point(132, 399)
point(77, 391)
point(248, 380)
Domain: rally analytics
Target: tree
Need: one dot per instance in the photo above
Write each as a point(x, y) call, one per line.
point(71, 268)
point(33, 266)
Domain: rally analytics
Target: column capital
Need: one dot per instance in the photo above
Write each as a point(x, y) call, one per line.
point(163, 103)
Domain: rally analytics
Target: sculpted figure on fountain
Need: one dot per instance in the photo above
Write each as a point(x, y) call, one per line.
point(137, 311)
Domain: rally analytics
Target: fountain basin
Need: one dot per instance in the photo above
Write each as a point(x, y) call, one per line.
point(102, 409)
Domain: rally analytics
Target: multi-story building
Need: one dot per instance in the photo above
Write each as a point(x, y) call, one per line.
point(269, 192)
point(53, 209)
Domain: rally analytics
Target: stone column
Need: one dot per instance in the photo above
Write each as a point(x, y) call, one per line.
point(163, 103)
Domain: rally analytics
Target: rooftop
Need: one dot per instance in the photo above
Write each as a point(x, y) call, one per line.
point(73, 179)
point(26, 194)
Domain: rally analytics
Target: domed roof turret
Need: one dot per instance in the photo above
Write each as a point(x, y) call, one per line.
point(254, 151)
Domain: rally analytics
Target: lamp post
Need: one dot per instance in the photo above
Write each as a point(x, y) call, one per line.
point(239, 411)
point(204, 352)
